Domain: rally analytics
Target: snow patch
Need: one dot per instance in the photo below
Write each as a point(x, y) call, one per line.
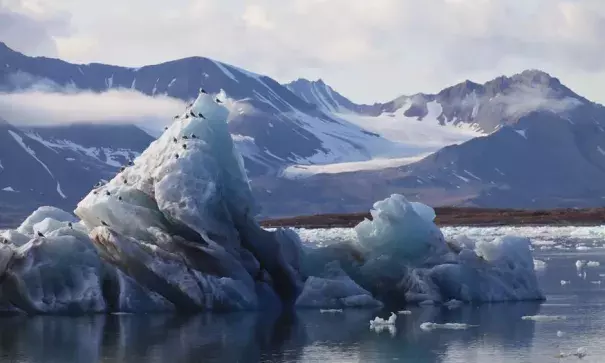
point(19, 140)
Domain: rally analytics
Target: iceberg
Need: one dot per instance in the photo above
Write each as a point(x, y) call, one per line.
point(175, 230)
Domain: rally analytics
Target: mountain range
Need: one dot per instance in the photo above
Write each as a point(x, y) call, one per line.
point(524, 141)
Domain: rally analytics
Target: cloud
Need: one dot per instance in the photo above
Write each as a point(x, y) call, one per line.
point(524, 99)
point(42, 108)
point(372, 50)
point(29, 27)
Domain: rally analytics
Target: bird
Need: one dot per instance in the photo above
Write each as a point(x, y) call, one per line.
point(70, 225)
point(165, 128)
point(130, 162)
point(125, 181)
point(122, 168)
point(176, 156)
point(193, 135)
point(201, 115)
point(120, 198)
point(175, 117)
point(218, 101)
point(184, 146)
point(94, 192)
point(107, 193)
point(203, 91)
point(40, 234)
point(174, 139)
point(185, 137)
point(105, 224)
point(192, 114)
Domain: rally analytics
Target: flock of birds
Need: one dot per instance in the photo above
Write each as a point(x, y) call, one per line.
point(100, 184)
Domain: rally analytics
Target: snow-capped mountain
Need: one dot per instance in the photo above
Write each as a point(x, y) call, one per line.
point(550, 158)
point(480, 107)
point(263, 113)
point(303, 141)
point(56, 166)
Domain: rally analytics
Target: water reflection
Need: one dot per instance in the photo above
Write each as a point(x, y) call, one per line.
point(302, 336)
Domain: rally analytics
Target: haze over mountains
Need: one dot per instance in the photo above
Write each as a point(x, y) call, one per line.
point(524, 141)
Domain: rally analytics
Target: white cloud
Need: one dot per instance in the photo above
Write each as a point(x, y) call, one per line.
point(39, 107)
point(372, 50)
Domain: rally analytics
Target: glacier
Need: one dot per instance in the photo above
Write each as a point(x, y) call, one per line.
point(175, 230)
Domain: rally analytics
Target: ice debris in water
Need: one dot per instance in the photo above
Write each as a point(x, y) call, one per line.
point(539, 265)
point(593, 264)
point(564, 282)
point(182, 235)
point(404, 312)
point(428, 326)
point(330, 311)
point(384, 327)
point(378, 321)
point(560, 334)
point(544, 318)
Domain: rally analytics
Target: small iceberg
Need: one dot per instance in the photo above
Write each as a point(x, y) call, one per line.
point(404, 312)
point(544, 318)
point(539, 264)
point(378, 321)
point(330, 311)
point(385, 327)
point(447, 326)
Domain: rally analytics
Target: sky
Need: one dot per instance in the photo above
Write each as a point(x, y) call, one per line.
point(368, 50)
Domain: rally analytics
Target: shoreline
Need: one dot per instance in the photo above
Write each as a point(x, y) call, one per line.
point(452, 216)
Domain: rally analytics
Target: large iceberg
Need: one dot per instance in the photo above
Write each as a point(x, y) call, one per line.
point(176, 230)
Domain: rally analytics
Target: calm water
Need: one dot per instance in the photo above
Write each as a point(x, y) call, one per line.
point(310, 336)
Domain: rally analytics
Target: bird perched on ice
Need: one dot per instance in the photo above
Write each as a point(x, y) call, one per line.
point(70, 225)
point(201, 115)
point(40, 234)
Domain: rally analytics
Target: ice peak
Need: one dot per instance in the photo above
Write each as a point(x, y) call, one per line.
point(210, 109)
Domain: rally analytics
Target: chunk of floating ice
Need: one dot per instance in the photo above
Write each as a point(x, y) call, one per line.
point(563, 282)
point(580, 264)
point(560, 334)
point(539, 265)
point(330, 311)
point(380, 328)
point(453, 304)
point(595, 282)
point(404, 312)
point(448, 326)
point(380, 321)
point(593, 264)
point(544, 318)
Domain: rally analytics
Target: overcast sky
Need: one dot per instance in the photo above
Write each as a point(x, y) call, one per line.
point(369, 50)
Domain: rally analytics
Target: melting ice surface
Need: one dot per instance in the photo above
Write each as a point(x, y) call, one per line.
point(176, 231)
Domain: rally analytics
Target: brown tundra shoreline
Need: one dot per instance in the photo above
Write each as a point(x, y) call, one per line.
point(453, 216)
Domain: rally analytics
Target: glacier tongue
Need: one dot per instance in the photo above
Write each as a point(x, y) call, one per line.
point(175, 230)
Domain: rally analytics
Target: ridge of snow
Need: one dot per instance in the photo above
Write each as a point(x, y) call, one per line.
point(92, 152)
point(19, 140)
point(224, 69)
point(522, 133)
point(305, 171)
point(472, 175)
